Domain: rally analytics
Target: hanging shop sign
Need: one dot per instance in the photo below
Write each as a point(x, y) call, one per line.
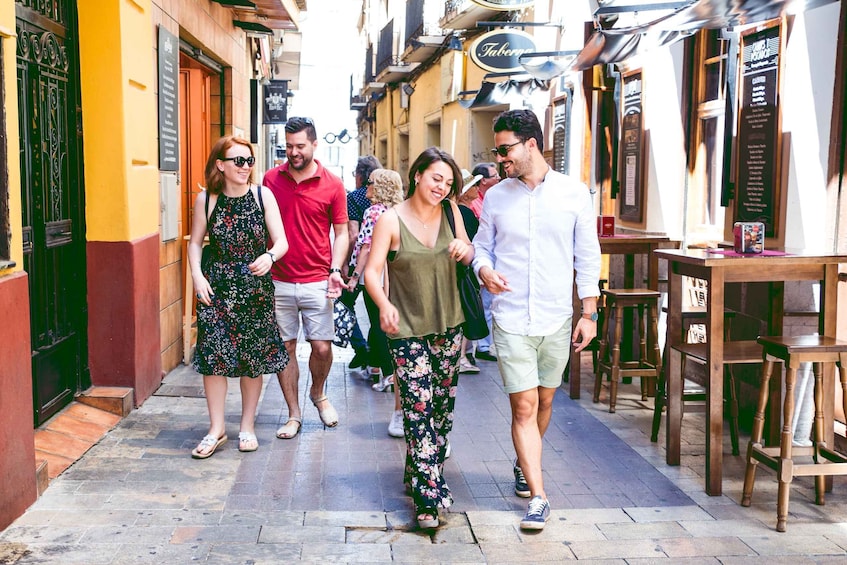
point(275, 108)
point(499, 50)
point(758, 165)
point(505, 5)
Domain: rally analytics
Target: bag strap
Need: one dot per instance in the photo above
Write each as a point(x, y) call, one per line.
point(259, 198)
point(448, 210)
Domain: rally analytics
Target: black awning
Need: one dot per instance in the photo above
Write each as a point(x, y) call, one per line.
point(618, 44)
point(503, 93)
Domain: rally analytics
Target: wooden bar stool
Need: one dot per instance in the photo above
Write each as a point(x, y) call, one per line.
point(647, 302)
point(735, 353)
point(793, 351)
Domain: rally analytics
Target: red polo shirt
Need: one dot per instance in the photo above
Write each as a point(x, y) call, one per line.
point(308, 209)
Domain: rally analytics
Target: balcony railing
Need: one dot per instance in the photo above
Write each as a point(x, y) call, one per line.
point(422, 20)
point(369, 64)
point(357, 101)
point(386, 55)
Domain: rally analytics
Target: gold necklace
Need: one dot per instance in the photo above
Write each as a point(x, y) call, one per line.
point(425, 225)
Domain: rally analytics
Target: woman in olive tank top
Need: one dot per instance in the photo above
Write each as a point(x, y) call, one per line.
point(422, 318)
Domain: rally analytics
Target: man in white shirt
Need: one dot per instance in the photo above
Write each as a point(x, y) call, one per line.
point(537, 227)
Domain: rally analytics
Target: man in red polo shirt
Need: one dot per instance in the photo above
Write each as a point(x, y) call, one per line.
point(311, 200)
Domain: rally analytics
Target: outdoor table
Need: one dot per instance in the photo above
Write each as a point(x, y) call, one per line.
point(629, 245)
point(719, 267)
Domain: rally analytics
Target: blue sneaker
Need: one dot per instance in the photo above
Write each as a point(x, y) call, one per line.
point(521, 488)
point(537, 514)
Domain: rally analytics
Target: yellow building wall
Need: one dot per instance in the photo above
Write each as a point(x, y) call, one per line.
point(119, 120)
point(10, 88)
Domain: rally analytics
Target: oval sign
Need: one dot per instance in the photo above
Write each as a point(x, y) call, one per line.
point(505, 5)
point(498, 51)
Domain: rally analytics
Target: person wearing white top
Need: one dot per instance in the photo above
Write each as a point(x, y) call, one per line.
point(537, 227)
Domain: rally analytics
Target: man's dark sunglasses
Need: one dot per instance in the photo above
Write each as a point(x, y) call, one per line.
point(503, 150)
point(241, 161)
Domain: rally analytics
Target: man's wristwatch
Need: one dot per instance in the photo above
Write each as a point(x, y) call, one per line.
point(273, 257)
point(335, 270)
point(593, 316)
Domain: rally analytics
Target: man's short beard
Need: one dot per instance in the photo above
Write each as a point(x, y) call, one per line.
point(306, 163)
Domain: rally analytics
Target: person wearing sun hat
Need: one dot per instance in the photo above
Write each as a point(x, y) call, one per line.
point(490, 177)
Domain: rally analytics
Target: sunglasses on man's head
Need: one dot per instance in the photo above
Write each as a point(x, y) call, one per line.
point(298, 120)
point(503, 150)
point(241, 161)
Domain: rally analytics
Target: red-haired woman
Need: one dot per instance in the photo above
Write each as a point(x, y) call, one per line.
point(237, 334)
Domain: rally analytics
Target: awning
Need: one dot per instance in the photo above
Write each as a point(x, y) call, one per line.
point(618, 44)
point(504, 93)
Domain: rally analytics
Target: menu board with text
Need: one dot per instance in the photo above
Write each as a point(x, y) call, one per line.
point(757, 188)
point(631, 149)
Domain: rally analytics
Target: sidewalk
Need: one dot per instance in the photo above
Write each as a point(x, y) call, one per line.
point(336, 495)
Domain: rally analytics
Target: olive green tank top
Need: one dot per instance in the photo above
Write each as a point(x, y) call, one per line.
point(423, 285)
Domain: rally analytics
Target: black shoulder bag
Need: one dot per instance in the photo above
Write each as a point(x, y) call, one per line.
point(206, 254)
point(475, 326)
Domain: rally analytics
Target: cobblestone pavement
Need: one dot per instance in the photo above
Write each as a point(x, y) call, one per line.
point(336, 495)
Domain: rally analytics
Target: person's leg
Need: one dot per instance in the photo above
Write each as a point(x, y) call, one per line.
point(378, 343)
point(422, 473)
point(319, 331)
point(289, 379)
point(215, 387)
point(527, 438)
point(446, 350)
point(251, 390)
point(288, 319)
point(320, 362)
point(483, 345)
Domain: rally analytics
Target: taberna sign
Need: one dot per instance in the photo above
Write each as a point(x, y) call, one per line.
point(498, 51)
point(504, 5)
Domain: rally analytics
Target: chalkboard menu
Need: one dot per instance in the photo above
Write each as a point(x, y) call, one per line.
point(168, 98)
point(758, 130)
point(631, 149)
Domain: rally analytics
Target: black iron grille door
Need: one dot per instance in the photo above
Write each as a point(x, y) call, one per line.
point(52, 199)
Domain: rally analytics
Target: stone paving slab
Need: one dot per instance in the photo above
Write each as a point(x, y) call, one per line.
point(336, 495)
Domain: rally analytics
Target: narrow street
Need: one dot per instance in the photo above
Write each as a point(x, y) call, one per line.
point(336, 495)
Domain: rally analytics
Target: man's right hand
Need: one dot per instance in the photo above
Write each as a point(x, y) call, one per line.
point(494, 282)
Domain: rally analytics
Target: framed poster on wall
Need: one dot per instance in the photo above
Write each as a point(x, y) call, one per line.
point(631, 164)
point(758, 165)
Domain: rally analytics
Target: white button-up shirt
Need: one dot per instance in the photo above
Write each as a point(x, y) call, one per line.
point(535, 238)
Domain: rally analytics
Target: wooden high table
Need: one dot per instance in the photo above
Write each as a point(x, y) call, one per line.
point(630, 245)
point(718, 267)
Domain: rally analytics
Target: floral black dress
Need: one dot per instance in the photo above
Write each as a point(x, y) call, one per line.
point(237, 335)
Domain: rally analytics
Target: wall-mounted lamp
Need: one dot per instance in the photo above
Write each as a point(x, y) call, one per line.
point(408, 89)
point(455, 43)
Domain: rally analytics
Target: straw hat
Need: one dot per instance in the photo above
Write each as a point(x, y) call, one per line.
point(469, 181)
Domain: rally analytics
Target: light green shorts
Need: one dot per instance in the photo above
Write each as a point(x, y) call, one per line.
point(527, 362)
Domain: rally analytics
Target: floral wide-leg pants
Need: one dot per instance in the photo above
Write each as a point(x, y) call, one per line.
point(427, 374)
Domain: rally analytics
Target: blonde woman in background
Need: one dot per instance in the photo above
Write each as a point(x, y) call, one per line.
point(385, 189)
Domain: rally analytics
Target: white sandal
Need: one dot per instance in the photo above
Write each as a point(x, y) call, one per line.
point(290, 429)
point(247, 437)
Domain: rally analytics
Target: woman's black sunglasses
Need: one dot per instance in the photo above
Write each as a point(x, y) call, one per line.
point(241, 161)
